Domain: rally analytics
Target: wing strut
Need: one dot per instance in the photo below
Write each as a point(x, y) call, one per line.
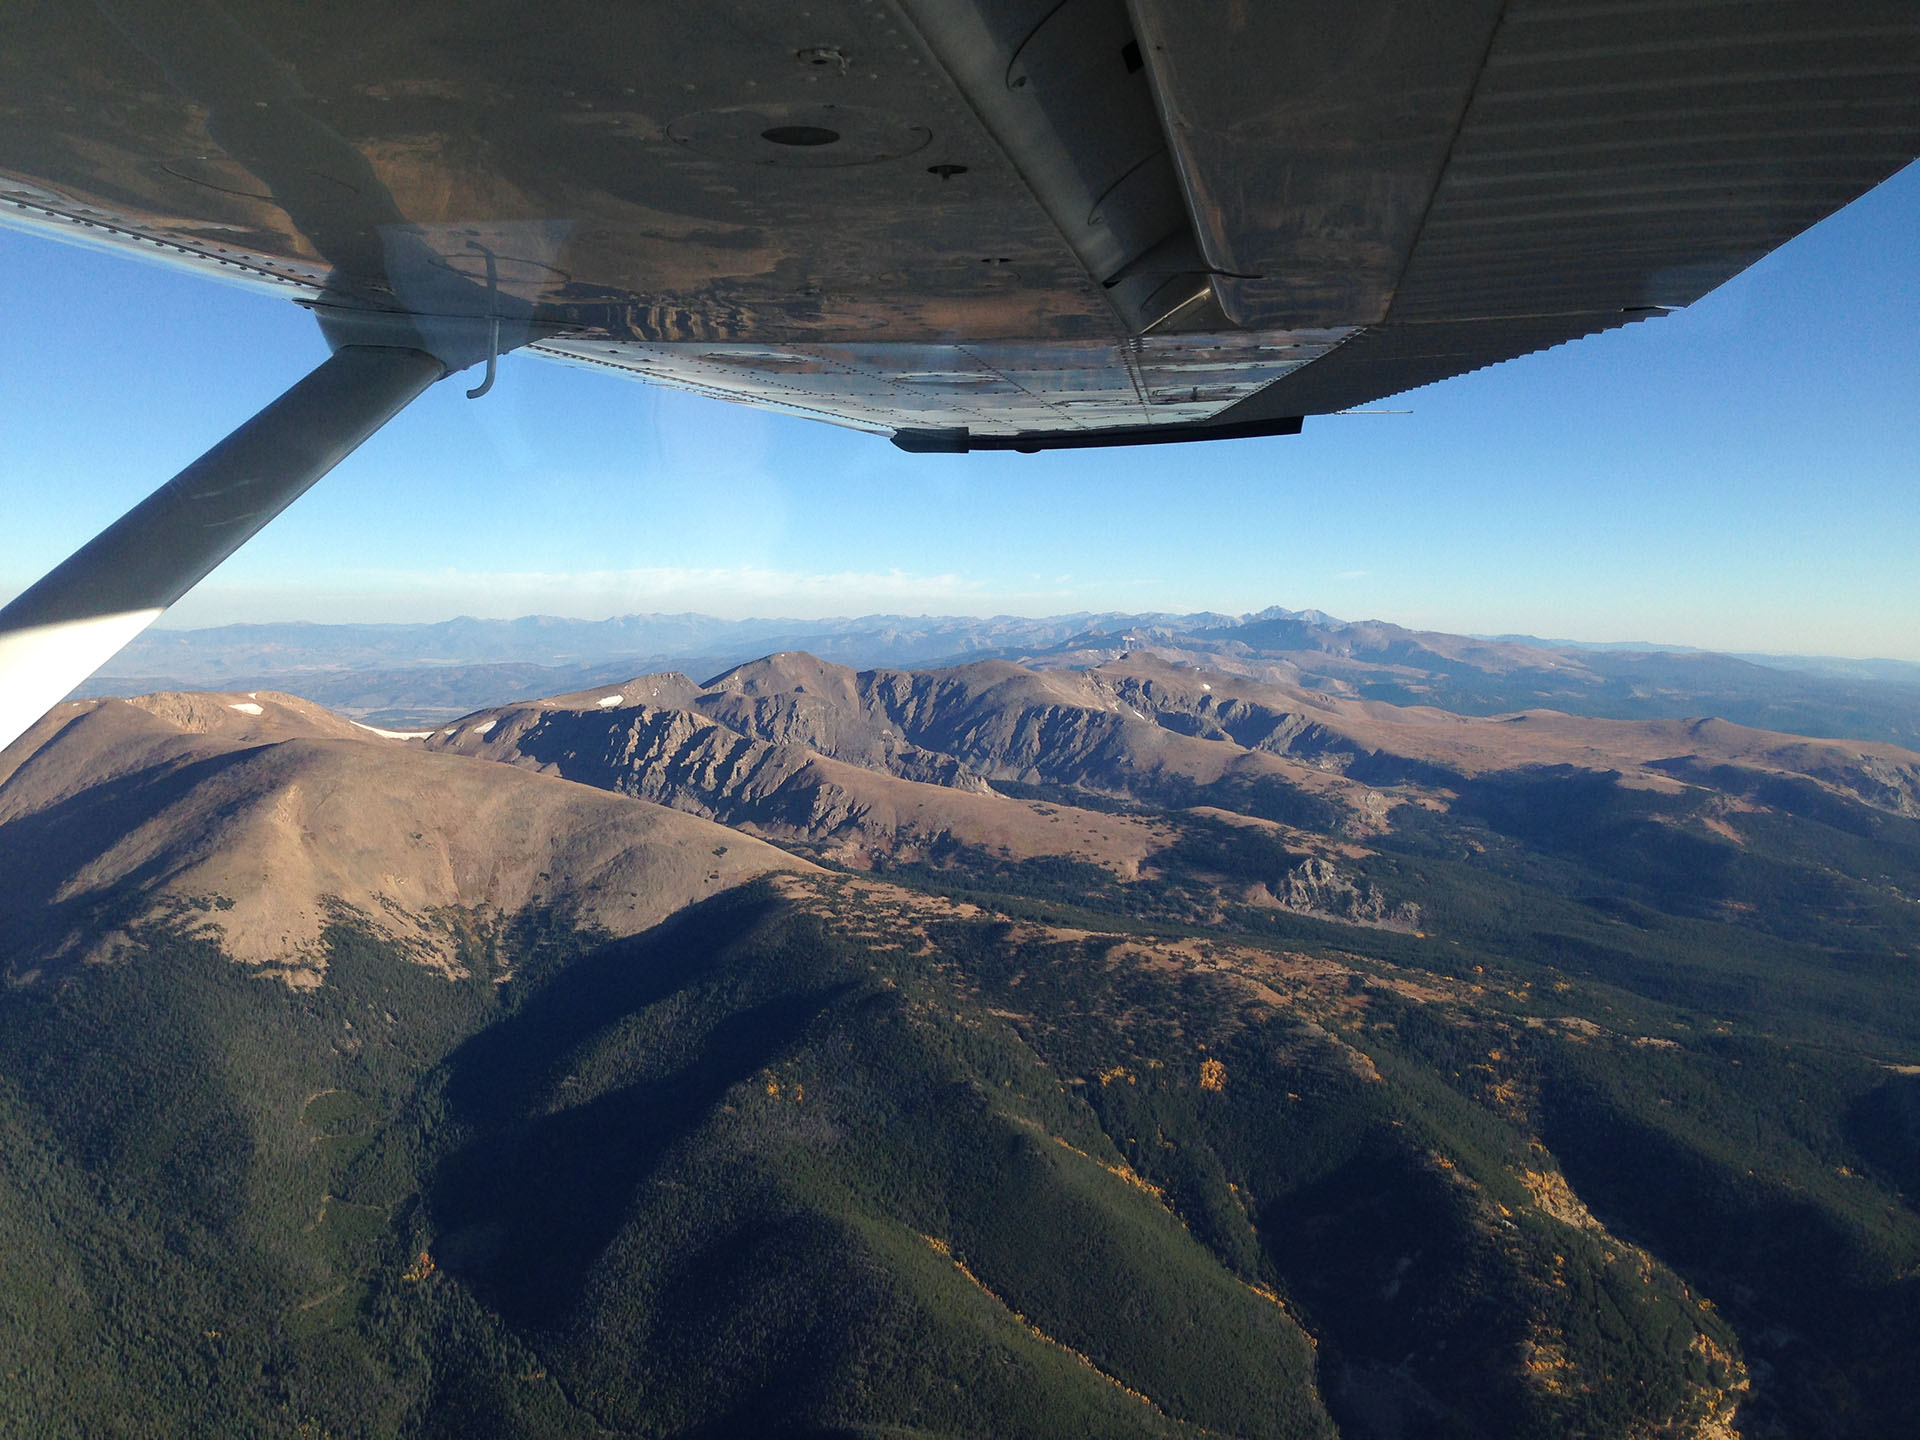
point(65, 627)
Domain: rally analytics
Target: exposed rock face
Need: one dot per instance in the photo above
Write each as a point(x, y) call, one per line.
point(1884, 781)
point(1885, 784)
point(996, 720)
point(1317, 887)
point(798, 700)
point(800, 748)
point(683, 759)
point(781, 789)
point(1253, 724)
point(1134, 722)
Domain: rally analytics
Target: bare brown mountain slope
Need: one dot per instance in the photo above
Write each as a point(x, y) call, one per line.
point(781, 789)
point(1136, 726)
point(1339, 732)
point(1137, 718)
point(999, 722)
point(262, 826)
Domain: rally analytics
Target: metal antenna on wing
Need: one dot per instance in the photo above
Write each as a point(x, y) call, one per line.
point(493, 322)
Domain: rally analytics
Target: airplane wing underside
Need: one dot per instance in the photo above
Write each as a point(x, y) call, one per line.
point(970, 222)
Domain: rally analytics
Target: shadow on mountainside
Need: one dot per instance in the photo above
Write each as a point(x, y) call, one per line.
point(41, 854)
point(534, 1196)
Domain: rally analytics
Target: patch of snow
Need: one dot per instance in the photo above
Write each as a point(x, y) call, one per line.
point(607, 702)
point(396, 734)
point(245, 709)
point(1138, 716)
point(483, 728)
point(1205, 686)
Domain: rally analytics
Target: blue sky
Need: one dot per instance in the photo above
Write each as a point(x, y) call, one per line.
point(1742, 475)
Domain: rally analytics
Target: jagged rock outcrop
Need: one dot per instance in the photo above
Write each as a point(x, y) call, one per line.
point(1318, 887)
point(786, 791)
point(799, 700)
point(802, 748)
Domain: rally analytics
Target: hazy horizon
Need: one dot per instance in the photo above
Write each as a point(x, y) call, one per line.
point(1738, 476)
point(168, 623)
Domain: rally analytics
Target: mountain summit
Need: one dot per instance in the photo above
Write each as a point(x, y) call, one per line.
point(266, 819)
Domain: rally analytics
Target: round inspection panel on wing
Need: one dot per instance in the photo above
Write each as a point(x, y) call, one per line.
point(799, 137)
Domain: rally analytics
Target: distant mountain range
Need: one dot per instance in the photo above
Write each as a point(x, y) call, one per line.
point(403, 675)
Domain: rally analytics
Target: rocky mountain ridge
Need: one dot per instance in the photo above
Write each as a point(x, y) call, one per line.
point(1140, 728)
point(400, 675)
